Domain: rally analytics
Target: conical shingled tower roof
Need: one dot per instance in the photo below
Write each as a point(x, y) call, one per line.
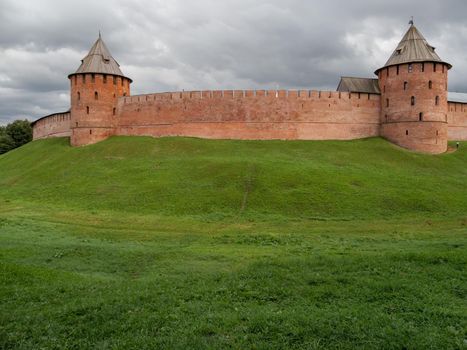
point(99, 61)
point(413, 48)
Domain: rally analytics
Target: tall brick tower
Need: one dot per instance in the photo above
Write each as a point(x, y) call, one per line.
point(413, 87)
point(95, 89)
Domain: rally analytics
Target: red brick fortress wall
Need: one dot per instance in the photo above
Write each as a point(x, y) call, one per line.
point(414, 106)
point(306, 115)
point(94, 106)
point(457, 121)
point(54, 125)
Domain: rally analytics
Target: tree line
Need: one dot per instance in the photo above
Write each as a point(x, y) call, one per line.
point(15, 135)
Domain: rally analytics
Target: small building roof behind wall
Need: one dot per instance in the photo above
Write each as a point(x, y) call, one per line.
point(457, 97)
point(365, 85)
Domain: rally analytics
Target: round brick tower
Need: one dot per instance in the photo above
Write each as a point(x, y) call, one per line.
point(95, 89)
point(413, 87)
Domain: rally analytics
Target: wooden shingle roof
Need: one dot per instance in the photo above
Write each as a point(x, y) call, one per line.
point(99, 61)
point(413, 48)
point(365, 85)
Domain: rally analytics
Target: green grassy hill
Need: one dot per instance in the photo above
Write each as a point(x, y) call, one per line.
point(180, 243)
point(227, 179)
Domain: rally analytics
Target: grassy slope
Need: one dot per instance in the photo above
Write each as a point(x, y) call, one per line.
point(186, 243)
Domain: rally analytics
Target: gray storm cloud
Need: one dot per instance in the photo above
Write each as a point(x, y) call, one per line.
point(205, 44)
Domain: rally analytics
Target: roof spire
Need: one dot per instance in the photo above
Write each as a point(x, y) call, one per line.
point(411, 22)
point(99, 60)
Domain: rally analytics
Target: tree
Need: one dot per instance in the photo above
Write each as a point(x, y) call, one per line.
point(15, 135)
point(20, 131)
point(6, 143)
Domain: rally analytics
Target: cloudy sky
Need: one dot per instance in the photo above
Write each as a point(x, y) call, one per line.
point(166, 45)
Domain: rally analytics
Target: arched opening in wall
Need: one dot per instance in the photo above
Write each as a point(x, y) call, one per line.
point(124, 94)
point(115, 95)
point(384, 88)
point(434, 67)
point(397, 70)
point(113, 111)
point(410, 67)
point(387, 72)
point(87, 109)
point(79, 96)
point(104, 79)
point(420, 116)
point(430, 85)
point(386, 117)
point(90, 132)
point(406, 84)
point(387, 102)
point(407, 132)
point(96, 95)
point(93, 78)
point(76, 124)
point(437, 101)
point(422, 67)
point(443, 68)
point(437, 133)
point(412, 101)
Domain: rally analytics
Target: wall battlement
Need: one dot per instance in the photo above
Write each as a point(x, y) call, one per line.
point(238, 94)
point(251, 114)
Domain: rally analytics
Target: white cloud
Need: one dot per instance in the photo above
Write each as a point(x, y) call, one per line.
point(206, 44)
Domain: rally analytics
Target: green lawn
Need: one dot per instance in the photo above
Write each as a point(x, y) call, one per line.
point(179, 243)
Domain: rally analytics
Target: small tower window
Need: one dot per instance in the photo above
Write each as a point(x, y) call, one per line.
point(434, 67)
point(397, 70)
point(121, 81)
point(405, 85)
point(407, 132)
point(443, 67)
point(430, 85)
point(105, 79)
point(96, 95)
point(387, 72)
point(84, 78)
point(90, 131)
point(410, 67)
point(75, 78)
point(384, 88)
point(412, 100)
point(79, 96)
point(93, 78)
point(422, 67)
point(437, 101)
point(387, 102)
point(114, 111)
point(115, 80)
point(87, 109)
point(420, 116)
